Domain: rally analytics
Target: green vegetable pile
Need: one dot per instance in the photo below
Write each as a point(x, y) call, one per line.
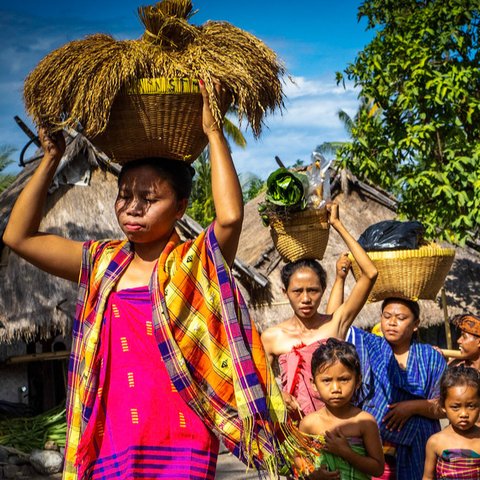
point(286, 192)
point(28, 433)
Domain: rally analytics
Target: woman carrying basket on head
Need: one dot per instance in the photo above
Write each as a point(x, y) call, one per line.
point(400, 384)
point(149, 327)
point(294, 340)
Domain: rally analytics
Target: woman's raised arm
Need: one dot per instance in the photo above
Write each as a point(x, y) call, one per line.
point(227, 194)
point(346, 313)
point(56, 255)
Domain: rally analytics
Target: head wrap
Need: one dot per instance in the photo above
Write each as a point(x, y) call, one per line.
point(468, 323)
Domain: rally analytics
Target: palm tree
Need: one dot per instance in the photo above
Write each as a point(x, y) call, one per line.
point(367, 107)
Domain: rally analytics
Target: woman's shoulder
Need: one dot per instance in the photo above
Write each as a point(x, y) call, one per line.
point(276, 337)
point(98, 249)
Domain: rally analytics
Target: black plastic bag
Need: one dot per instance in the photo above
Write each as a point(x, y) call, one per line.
point(392, 235)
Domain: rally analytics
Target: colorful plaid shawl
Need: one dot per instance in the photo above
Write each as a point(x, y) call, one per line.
point(458, 464)
point(210, 347)
point(384, 383)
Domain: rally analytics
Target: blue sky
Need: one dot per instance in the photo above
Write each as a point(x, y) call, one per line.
point(313, 38)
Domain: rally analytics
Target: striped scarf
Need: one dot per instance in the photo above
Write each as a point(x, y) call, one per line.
point(208, 342)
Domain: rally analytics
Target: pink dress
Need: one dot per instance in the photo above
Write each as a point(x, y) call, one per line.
point(295, 371)
point(144, 428)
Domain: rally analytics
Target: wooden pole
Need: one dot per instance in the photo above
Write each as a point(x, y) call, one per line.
point(38, 357)
point(448, 332)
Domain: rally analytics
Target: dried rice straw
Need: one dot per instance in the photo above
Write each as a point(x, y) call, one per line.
point(77, 83)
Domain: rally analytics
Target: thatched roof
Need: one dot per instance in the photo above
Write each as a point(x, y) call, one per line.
point(34, 304)
point(361, 205)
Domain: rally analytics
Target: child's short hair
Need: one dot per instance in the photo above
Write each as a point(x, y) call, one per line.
point(291, 267)
point(457, 376)
point(332, 351)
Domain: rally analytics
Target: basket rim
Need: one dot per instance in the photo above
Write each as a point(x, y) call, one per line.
point(423, 251)
point(163, 86)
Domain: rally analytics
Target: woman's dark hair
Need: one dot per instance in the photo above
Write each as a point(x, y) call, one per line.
point(413, 306)
point(290, 268)
point(332, 351)
point(457, 376)
point(177, 173)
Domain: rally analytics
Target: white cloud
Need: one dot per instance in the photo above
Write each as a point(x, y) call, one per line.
point(302, 86)
point(310, 118)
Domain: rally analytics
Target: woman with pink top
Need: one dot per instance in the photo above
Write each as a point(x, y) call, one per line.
point(294, 340)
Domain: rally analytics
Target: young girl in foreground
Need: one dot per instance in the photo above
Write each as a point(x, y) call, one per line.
point(352, 448)
point(460, 398)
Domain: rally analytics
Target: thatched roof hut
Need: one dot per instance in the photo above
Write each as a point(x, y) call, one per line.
point(361, 205)
point(36, 305)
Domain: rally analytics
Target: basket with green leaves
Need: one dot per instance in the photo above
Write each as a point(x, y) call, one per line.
point(294, 209)
point(140, 98)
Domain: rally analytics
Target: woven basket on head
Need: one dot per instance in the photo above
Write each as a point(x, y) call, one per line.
point(301, 234)
point(411, 274)
point(157, 118)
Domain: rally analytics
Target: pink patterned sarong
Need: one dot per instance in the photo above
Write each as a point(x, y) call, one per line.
point(458, 464)
point(295, 370)
point(144, 428)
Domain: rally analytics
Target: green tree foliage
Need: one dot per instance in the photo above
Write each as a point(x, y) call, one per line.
point(420, 136)
point(253, 188)
point(5, 160)
point(202, 208)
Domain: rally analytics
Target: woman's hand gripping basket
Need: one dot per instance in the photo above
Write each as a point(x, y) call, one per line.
point(294, 209)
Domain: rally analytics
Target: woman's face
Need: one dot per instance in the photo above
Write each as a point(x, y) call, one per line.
point(147, 206)
point(398, 323)
point(304, 292)
point(469, 345)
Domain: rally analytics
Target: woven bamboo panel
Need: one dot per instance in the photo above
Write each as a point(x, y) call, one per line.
point(412, 274)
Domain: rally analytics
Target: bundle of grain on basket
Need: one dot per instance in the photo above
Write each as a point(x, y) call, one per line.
point(140, 98)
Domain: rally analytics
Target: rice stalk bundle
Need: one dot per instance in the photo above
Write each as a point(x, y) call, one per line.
point(76, 85)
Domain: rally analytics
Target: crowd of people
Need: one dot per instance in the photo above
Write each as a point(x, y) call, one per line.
point(370, 403)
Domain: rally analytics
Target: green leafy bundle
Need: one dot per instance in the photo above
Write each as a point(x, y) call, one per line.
point(287, 189)
point(286, 192)
point(28, 433)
